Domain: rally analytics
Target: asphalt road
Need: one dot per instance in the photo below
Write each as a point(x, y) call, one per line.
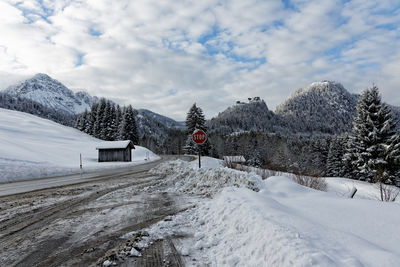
point(42, 183)
point(79, 221)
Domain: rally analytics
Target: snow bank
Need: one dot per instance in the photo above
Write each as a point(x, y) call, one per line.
point(32, 147)
point(275, 222)
point(211, 178)
point(365, 190)
point(286, 224)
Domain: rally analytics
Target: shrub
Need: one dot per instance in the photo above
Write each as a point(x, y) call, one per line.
point(389, 193)
point(314, 182)
point(264, 173)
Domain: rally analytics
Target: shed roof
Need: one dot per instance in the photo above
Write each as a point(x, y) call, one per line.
point(115, 144)
point(234, 158)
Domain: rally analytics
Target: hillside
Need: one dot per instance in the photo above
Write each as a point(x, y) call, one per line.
point(32, 147)
point(253, 115)
point(51, 93)
point(325, 107)
point(48, 98)
point(32, 107)
point(168, 122)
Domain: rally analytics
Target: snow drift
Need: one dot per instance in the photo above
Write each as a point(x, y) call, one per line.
point(211, 178)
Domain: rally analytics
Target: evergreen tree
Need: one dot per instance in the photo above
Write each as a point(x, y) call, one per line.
point(92, 120)
point(104, 121)
point(107, 122)
point(128, 129)
point(88, 123)
point(393, 158)
point(190, 148)
point(112, 124)
point(80, 122)
point(319, 150)
point(195, 120)
point(254, 159)
point(99, 116)
point(373, 133)
point(118, 122)
point(335, 165)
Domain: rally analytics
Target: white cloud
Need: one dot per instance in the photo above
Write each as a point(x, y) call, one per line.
point(138, 52)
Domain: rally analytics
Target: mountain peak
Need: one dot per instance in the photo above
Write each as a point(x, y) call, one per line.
point(324, 106)
point(41, 76)
point(244, 116)
point(51, 93)
point(322, 88)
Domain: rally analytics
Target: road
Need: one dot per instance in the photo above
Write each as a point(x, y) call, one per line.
point(37, 184)
point(81, 224)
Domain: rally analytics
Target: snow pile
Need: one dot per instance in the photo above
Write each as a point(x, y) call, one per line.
point(32, 147)
point(286, 224)
point(283, 224)
point(211, 178)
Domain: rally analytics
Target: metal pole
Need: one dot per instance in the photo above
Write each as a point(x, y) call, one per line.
point(199, 156)
point(80, 165)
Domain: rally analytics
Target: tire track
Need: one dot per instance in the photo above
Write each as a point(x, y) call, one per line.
point(26, 226)
point(36, 237)
point(50, 213)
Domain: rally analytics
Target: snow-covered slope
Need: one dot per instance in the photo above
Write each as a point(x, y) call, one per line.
point(32, 147)
point(322, 107)
point(276, 222)
point(51, 93)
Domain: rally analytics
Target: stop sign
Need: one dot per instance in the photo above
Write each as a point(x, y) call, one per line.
point(199, 137)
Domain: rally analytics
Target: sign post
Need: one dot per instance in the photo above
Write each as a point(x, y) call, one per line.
point(199, 137)
point(80, 159)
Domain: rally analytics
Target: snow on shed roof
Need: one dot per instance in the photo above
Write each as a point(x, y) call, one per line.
point(234, 158)
point(115, 144)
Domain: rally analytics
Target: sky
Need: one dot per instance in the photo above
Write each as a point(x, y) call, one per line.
point(165, 55)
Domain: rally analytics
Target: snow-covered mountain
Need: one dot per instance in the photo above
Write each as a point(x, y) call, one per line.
point(325, 107)
point(322, 107)
point(245, 116)
point(51, 93)
point(157, 132)
point(168, 122)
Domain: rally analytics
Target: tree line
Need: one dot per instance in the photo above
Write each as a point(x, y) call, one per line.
point(110, 122)
point(370, 152)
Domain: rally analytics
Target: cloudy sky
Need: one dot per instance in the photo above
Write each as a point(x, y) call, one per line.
point(165, 55)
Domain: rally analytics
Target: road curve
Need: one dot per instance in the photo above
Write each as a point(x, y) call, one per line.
point(43, 183)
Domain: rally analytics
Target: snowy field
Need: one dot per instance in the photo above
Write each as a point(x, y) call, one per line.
point(241, 220)
point(32, 147)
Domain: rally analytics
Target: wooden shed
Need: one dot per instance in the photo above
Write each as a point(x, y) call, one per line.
point(234, 159)
point(115, 151)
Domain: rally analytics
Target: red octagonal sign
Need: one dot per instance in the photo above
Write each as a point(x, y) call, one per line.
point(199, 137)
